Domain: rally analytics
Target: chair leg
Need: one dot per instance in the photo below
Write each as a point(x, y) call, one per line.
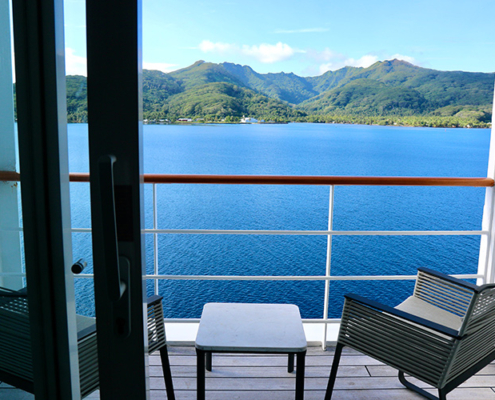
point(333, 372)
point(290, 365)
point(167, 374)
point(422, 392)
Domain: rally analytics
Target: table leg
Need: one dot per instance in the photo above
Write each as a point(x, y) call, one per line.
point(301, 359)
point(208, 361)
point(290, 366)
point(200, 373)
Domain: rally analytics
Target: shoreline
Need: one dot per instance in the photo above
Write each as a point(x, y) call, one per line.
point(301, 122)
point(322, 123)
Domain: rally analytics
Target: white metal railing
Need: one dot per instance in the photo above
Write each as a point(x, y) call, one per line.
point(330, 232)
point(327, 278)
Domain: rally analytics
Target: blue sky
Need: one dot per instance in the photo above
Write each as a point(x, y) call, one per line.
point(306, 37)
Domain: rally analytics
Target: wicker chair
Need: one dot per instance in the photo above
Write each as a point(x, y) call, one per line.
point(15, 344)
point(442, 335)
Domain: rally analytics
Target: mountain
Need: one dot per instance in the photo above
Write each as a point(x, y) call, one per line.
point(425, 90)
point(224, 100)
point(369, 97)
point(202, 72)
point(286, 87)
point(385, 89)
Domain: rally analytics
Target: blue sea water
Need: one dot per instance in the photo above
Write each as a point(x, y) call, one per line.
point(297, 149)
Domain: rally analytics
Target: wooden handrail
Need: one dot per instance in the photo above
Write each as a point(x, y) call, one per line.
point(10, 176)
point(292, 180)
point(319, 180)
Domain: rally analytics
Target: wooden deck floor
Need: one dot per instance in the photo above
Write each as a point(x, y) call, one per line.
point(255, 377)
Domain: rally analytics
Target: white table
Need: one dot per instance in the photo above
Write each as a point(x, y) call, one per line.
point(250, 328)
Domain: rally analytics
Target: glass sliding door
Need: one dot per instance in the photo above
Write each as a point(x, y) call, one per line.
point(116, 193)
point(11, 271)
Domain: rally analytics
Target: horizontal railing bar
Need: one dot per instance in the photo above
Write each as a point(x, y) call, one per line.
point(298, 278)
point(292, 180)
point(309, 320)
point(18, 229)
point(322, 320)
point(304, 232)
point(318, 180)
point(10, 176)
point(287, 277)
point(288, 232)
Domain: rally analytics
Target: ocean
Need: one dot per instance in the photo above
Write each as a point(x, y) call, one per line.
point(296, 149)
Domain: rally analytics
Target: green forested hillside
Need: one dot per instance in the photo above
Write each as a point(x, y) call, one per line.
point(219, 100)
point(368, 97)
point(77, 101)
point(380, 93)
point(286, 87)
point(201, 72)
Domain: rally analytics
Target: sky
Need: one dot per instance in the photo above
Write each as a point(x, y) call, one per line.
point(306, 37)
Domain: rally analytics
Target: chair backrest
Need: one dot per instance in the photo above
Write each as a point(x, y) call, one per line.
point(478, 331)
point(443, 294)
point(15, 342)
point(481, 312)
point(156, 326)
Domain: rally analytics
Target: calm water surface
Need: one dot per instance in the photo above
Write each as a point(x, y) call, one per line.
point(297, 149)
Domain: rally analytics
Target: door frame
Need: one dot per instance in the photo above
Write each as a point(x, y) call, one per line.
point(43, 154)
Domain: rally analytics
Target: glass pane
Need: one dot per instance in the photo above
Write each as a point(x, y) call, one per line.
point(11, 259)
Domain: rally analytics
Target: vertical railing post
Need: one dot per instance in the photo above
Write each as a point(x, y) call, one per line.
point(486, 263)
point(328, 268)
point(155, 238)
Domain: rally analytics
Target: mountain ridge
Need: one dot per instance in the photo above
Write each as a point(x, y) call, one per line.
point(385, 89)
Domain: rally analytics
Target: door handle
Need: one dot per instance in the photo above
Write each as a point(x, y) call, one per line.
point(115, 286)
point(117, 267)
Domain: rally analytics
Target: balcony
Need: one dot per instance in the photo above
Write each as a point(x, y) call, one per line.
point(260, 377)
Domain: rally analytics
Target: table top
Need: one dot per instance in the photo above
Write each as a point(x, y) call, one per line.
point(240, 327)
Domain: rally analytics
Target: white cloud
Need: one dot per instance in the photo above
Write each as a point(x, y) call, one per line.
point(207, 46)
point(335, 61)
point(363, 62)
point(403, 58)
point(265, 53)
point(325, 55)
point(164, 67)
point(269, 53)
point(74, 65)
point(307, 30)
point(77, 65)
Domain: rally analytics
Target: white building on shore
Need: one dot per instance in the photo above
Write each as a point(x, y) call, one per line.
point(247, 120)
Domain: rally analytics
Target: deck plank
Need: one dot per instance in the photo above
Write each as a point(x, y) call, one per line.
point(265, 377)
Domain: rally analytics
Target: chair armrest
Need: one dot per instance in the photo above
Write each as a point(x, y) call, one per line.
point(451, 279)
point(4, 292)
point(152, 300)
point(86, 332)
point(401, 315)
